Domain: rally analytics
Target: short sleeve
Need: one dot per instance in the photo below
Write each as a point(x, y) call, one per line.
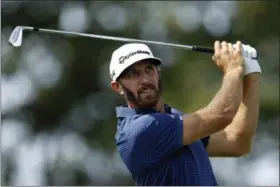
point(205, 141)
point(151, 139)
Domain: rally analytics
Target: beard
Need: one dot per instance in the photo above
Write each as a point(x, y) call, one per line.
point(144, 100)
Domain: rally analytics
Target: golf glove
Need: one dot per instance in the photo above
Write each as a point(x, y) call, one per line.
point(251, 63)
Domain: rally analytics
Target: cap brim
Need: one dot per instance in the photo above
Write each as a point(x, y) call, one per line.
point(138, 59)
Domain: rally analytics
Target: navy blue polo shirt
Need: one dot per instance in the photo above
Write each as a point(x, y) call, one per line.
point(151, 146)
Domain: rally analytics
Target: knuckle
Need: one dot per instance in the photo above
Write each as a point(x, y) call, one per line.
point(237, 49)
point(238, 52)
point(217, 56)
point(224, 51)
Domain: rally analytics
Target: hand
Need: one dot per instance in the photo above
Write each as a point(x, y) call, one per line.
point(227, 57)
point(251, 64)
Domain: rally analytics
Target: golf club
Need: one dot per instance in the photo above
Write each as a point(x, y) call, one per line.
point(17, 34)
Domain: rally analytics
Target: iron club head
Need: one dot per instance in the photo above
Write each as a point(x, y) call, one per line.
point(16, 36)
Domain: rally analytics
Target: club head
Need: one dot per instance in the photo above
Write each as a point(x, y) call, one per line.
point(16, 37)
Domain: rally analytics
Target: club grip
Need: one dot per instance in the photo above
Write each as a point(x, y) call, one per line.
point(203, 49)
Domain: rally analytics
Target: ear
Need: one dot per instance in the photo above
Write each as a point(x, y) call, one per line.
point(116, 86)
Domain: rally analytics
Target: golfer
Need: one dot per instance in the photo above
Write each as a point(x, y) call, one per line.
point(161, 145)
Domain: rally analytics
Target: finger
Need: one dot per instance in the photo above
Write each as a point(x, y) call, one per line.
point(234, 46)
point(217, 46)
point(254, 53)
point(230, 47)
point(238, 47)
point(224, 46)
point(249, 51)
point(246, 49)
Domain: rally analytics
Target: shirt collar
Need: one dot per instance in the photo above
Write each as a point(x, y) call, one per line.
point(125, 111)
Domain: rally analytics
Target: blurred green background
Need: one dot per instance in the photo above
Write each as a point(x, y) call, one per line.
point(58, 111)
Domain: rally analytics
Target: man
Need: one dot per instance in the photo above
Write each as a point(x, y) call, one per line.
point(162, 146)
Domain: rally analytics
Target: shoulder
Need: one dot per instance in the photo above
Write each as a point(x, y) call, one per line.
point(204, 140)
point(148, 123)
point(177, 112)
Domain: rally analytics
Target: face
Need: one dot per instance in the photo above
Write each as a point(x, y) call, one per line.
point(140, 84)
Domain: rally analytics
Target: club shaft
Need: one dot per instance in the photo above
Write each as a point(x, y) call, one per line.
point(189, 47)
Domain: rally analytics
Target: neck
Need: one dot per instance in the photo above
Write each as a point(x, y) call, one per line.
point(158, 107)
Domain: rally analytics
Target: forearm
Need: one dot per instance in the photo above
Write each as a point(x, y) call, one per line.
point(228, 99)
point(245, 121)
point(220, 111)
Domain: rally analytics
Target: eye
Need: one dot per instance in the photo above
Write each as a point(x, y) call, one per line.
point(149, 69)
point(131, 73)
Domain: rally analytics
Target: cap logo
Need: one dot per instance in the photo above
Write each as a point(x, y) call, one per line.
point(123, 58)
point(113, 74)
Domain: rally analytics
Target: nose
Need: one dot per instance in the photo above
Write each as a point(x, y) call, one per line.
point(144, 77)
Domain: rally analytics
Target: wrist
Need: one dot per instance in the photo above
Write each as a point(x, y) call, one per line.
point(252, 77)
point(251, 66)
point(239, 71)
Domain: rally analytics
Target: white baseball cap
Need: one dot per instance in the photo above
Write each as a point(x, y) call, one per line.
point(129, 54)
